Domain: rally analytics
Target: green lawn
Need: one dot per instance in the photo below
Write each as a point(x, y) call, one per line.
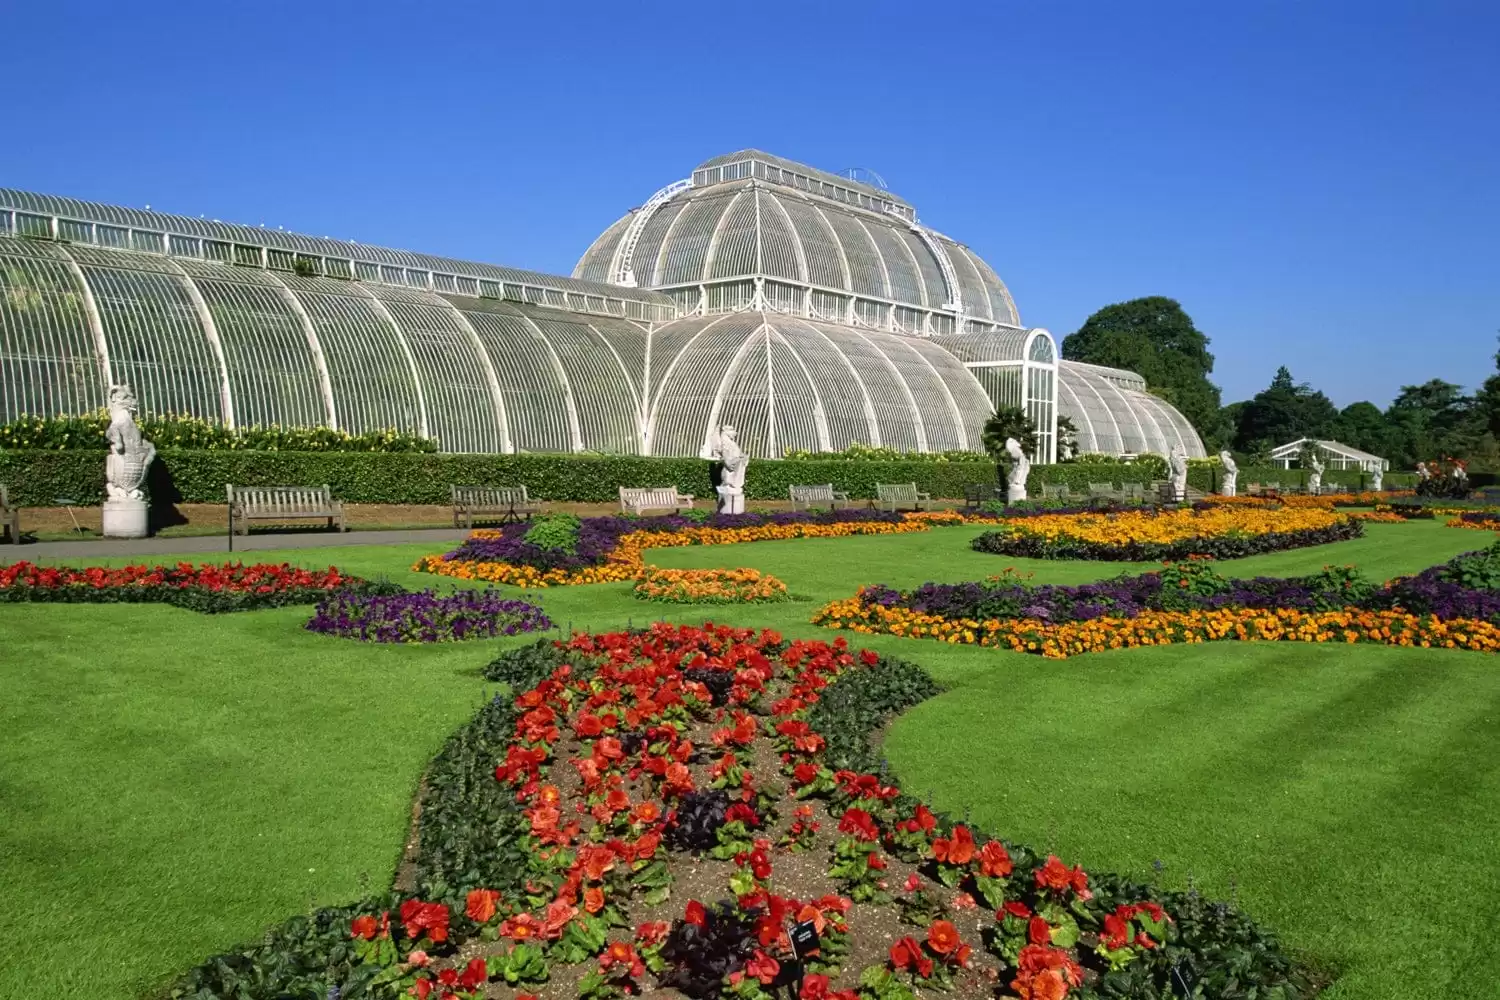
point(174, 783)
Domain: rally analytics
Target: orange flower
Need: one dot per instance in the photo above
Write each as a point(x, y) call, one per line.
point(957, 849)
point(480, 905)
point(942, 937)
point(994, 860)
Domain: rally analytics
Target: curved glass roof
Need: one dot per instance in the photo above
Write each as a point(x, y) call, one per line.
point(1113, 419)
point(788, 383)
point(164, 223)
point(752, 216)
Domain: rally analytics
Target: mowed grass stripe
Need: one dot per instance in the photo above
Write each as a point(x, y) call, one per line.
point(1349, 794)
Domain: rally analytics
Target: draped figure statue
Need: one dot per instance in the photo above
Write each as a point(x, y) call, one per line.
point(1020, 468)
point(731, 489)
point(1229, 485)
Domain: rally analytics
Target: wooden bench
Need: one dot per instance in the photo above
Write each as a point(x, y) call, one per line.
point(10, 518)
point(889, 496)
point(1104, 491)
point(1055, 491)
point(978, 494)
point(281, 503)
point(639, 499)
point(506, 502)
point(1165, 494)
point(1133, 492)
point(816, 495)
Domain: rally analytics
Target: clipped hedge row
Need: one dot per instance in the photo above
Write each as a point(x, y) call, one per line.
point(40, 478)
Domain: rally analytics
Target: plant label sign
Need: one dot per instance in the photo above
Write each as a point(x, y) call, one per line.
point(804, 937)
point(1184, 979)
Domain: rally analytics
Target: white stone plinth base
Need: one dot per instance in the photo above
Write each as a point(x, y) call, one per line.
point(124, 519)
point(1015, 494)
point(731, 500)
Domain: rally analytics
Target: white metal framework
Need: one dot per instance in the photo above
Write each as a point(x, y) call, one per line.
point(1335, 455)
point(809, 310)
point(1017, 369)
point(754, 231)
point(1115, 415)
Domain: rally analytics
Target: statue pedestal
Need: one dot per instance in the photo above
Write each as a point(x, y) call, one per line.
point(731, 500)
point(1014, 493)
point(124, 519)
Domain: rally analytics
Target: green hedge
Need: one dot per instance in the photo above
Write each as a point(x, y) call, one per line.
point(40, 478)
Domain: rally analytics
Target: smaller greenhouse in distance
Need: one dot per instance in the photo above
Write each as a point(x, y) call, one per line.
point(1335, 455)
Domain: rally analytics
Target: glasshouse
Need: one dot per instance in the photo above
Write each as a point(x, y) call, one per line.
point(1334, 454)
point(809, 310)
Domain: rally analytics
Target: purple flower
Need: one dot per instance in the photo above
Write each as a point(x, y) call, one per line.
point(425, 616)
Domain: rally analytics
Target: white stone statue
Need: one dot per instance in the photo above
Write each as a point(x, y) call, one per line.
point(731, 487)
point(130, 455)
point(1020, 468)
point(1177, 462)
point(1422, 472)
point(1315, 480)
point(1229, 483)
point(1377, 478)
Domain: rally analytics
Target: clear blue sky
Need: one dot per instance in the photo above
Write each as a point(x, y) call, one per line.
point(1318, 183)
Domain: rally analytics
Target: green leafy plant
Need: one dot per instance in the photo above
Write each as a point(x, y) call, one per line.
point(859, 452)
point(555, 531)
point(1009, 422)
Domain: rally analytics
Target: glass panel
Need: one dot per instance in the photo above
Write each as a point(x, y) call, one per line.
point(156, 342)
point(271, 375)
point(34, 225)
point(460, 410)
point(74, 231)
point(148, 241)
point(536, 401)
point(603, 393)
point(47, 361)
point(367, 369)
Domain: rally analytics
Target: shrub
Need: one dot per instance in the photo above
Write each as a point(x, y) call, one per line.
point(196, 475)
point(859, 452)
point(37, 477)
point(87, 432)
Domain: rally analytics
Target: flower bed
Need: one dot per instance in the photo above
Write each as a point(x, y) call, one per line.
point(708, 586)
point(1456, 604)
point(669, 803)
point(425, 616)
point(1325, 501)
point(608, 549)
point(1141, 536)
point(1163, 628)
point(207, 588)
point(1479, 520)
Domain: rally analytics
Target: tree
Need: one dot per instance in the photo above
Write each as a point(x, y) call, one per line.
point(1282, 412)
point(1432, 420)
point(1157, 340)
point(1361, 425)
point(1008, 422)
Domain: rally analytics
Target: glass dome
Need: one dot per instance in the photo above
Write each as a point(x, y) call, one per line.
point(825, 243)
point(1115, 415)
